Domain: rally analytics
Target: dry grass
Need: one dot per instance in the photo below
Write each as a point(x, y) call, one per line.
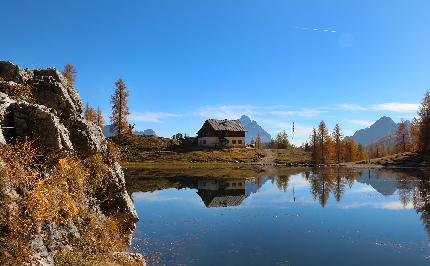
point(292, 155)
point(34, 199)
point(18, 91)
point(199, 156)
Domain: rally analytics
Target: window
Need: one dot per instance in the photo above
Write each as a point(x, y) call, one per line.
point(204, 142)
point(233, 184)
point(239, 184)
point(239, 141)
point(233, 141)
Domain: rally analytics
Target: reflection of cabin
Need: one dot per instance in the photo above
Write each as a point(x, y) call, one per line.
point(222, 193)
point(221, 133)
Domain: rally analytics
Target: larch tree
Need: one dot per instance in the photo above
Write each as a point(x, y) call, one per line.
point(120, 113)
point(402, 137)
point(258, 141)
point(314, 141)
point(424, 125)
point(89, 113)
point(361, 152)
point(323, 137)
point(70, 73)
point(99, 118)
point(350, 150)
point(337, 141)
point(415, 134)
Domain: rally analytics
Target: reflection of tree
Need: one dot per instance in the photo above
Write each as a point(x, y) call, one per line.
point(282, 182)
point(421, 201)
point(330, 180)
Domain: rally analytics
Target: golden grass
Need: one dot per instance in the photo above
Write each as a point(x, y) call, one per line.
point(33, 198)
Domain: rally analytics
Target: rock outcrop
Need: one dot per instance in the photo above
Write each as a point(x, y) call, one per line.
point(42, 105)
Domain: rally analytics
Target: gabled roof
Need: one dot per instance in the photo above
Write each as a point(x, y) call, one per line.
point(226, 125)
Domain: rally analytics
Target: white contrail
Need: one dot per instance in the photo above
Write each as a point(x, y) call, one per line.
point(315, 29)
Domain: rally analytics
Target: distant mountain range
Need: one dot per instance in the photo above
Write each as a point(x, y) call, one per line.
point(146, 132)
point(382, 132)
point(252, 128)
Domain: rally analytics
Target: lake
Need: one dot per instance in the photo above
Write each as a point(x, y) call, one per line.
point(291, 217)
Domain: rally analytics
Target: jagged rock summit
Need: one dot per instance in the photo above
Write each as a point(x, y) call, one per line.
point(42, 105)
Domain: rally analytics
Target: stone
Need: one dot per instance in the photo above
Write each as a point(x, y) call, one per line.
point(87, 137)
point(9, 72)
point(41, 124)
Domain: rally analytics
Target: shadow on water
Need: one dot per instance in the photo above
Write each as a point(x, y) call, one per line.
point(412, 189)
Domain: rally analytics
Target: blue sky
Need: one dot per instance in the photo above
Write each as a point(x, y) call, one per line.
point(277, 61)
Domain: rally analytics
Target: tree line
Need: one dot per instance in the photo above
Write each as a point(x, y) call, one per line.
point(333, 147)
point(326, 147)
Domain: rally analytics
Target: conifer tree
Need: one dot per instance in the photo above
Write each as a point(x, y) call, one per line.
point(314, 141)
point(402, 137)
point(337, 141)
point(258, 141)
point(323, 137)
point(424, 122)
point(415, 135)
point(120, 113)
point(89, 113)
point(282, 140)
point(70, 73)
point(99, 118)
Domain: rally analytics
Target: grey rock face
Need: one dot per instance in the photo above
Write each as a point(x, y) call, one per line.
point(86, 136)
point(41, 124)
point(54, 91)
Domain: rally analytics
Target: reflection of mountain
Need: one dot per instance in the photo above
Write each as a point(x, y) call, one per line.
point(385, 185)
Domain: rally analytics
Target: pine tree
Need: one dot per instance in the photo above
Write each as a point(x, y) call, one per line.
point(424, 122)
point(70, 73)
point(89, 113)
point(99, 118)
point(337, 140)
point(120, 113)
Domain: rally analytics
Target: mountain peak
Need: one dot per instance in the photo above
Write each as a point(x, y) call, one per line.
point(382, 127)
point(252, 128)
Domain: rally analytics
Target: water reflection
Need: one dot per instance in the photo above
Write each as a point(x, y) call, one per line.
point(339, 198)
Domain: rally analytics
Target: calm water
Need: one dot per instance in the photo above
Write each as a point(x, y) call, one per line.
point(329, 217)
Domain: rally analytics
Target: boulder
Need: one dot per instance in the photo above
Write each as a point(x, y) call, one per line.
point(87, 137)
